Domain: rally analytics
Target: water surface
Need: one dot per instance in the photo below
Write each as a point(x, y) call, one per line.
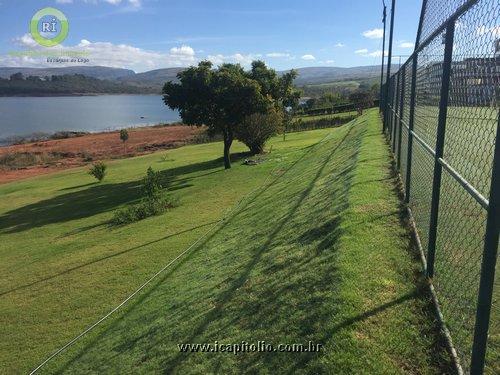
point(27, 115)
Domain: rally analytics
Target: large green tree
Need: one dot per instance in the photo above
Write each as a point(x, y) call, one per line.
point(225, 97)
point(218, 98)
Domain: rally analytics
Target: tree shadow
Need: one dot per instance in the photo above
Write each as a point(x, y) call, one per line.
point(262, 311)
point(301, 300)
point(99, 198)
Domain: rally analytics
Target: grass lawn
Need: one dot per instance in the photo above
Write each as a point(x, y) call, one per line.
point(317, 253)
point(63, 268)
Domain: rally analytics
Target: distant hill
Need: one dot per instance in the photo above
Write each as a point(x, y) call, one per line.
point(99, 72)
point(153, 78)
point(317, 75)
point(152, 81)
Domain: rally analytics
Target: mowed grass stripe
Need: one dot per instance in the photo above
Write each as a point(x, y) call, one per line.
point(319, 255)
point(62, 268)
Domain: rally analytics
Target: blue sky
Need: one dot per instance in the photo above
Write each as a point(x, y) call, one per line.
point(151, 34)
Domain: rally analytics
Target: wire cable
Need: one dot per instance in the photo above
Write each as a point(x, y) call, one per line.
point(224, 217)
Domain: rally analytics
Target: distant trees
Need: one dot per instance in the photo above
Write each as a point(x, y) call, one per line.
point(362, 99)
point(17, 77)
point(17, 84)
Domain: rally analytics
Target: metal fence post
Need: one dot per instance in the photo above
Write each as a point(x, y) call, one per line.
point(401, 113)
point(441, 129)
point(396, 112)
point(389, 61)
point(411, 121)
point(380, 101)
point(487, 266)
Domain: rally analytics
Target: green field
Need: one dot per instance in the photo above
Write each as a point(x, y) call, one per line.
point(316, 252)
point(469, 144)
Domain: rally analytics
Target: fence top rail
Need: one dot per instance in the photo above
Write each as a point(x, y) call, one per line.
point(420, 46)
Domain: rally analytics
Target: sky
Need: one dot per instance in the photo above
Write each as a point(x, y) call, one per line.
point(151, 34)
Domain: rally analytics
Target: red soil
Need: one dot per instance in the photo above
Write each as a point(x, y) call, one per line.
point(73, 152)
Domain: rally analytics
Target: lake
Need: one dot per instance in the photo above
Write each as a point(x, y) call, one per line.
point(27, 115)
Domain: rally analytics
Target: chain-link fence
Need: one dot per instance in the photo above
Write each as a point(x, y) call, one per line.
point(442, 119)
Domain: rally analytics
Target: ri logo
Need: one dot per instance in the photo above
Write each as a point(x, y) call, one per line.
point(49, 27)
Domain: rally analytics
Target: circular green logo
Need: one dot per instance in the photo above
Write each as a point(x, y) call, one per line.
point(49, 27)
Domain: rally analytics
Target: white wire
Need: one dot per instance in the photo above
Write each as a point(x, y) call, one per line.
point(64, 347)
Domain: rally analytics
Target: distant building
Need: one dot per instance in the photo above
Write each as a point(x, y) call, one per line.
point(476, 81)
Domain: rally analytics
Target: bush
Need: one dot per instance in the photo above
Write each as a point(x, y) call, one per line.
point(98, 170)
point(154, 202)
point(320, 123)
point(257, 128)
point(21, 160)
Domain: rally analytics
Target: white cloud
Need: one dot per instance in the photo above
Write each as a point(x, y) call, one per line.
point(362, 51)
point(494, 31)
point(25, 41)
point(340, 45)
point(406, 45)
point(238, 58)
point(365, 53)
point(373, 34)
point(182, 51)
point(330, 61)
point(308, 57)
point(278, 54)
point(105, 54)
point(64, 1)
point(377, 53)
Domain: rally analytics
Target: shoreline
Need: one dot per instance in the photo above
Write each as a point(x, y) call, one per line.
point(23, 139)
point(21, 161)
point(49, 95)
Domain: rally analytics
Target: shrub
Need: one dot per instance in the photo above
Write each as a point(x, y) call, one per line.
point(154, 201)
point(124, 135)
point(20, 160)
point(257, 128)
point(98, 170)
point(319, 123)
point(151, 185)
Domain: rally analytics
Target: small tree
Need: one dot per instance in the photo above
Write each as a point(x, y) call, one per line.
point(124, 135)
point(98, 170)
point(151, 185)
point(257, 128)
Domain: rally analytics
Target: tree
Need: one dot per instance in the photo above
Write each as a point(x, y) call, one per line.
point(218, 98)
point(257, 128)
point(362, 99)
point(289, 97)
point(124, 135)
point(17, 77)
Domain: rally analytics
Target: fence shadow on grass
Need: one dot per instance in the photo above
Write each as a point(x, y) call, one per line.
point(101, 259)
point(131, 307)
point(263, 311)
